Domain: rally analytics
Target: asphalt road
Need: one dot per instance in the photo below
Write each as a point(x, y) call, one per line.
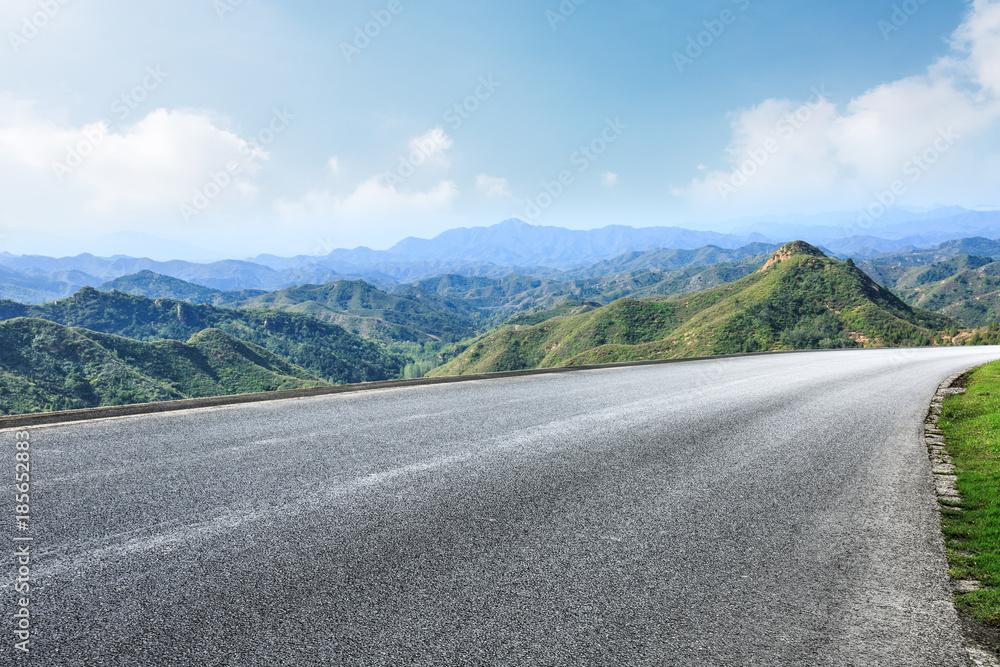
point(770, 510)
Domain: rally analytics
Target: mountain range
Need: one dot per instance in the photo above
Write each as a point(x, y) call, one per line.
point(324, 350)
point(47, 366)
point(149, 336)
point(518, 244)
point(450, 307)
point(947, 278)
point(510, 247)
point(799, 299)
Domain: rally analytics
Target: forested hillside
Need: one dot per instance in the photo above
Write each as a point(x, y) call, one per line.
point(47, 366)
point(324, 349)
point(800, 299)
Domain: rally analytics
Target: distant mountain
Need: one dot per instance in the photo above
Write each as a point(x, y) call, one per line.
point(964, 287)
point(138, 244)
point(800, 299)
point(517, 243)
point(224, 276)
point(866, 246)
point(419, 312)
point(325, 350)
point(514, 246)
point(637, 275)
point(670, 259)
point(156, 286)
point(510, 247)
point(979, 246)
point(369, 312)
point(39, 287)
point(958, 278)
point(384, 270)
point(955, 223)
point(47, 366)
point(355, 305)
point(847, 232)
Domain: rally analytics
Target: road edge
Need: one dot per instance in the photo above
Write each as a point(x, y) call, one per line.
point(138, 409)
point(943, 473)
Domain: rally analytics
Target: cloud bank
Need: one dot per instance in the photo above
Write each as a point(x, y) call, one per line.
point(919, 140)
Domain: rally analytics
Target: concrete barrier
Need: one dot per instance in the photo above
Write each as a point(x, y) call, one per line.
point(65, 416)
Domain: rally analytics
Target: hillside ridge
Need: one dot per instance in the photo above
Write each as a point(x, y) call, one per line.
point(803, 300)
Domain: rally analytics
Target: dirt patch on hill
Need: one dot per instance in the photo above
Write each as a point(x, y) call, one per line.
point(788, 250)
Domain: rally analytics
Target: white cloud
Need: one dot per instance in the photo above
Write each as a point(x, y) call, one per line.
point(492, 186)
point(383, 196)
point(375, 207)
point(609, 179)
point(334, 165)
point(372, 198)
point(27, 139)
point(785, 156)
point(979, 39)
point(155, 163)
point(431, 145)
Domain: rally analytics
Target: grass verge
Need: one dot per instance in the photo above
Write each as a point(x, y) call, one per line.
point(971, 426)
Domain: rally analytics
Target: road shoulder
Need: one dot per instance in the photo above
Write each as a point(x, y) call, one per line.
point(942, 431)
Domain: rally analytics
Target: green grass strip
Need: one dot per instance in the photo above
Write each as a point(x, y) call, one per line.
point(971, 426)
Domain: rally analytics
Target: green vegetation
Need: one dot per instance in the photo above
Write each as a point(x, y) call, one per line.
point(488, 301)
point(907, 257)
point(964, 287)
point(325, 350)
point(34, 287)
point(565, 309)
point(156, 286)
point(47, 366)
point(669, 260)
point(642, 305)
point(988, 335)
point(450, 308)
point(800, 299)
point(971, 426)
point(369, 312)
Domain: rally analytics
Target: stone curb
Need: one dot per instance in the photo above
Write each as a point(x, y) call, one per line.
point(944, 484)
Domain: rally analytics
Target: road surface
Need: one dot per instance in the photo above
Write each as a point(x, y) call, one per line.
point(774, 510)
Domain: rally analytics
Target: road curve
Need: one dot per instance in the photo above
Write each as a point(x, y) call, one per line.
point(756, 511)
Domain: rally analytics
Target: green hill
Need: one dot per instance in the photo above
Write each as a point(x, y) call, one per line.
point(977, 245)
point(156, 286)
point(565, 309)
point(324, 349)
point(47, 366)
point(666, 260)
point(491, 301)
point(369, 312)
point(800, 299)
point(964, 287)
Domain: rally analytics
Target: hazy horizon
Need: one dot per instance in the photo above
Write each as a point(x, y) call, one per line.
point(817, 229)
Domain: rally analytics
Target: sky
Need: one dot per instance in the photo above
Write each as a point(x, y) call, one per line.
point(249, 126)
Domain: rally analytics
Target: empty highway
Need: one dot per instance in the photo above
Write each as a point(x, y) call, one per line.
point(770, 510)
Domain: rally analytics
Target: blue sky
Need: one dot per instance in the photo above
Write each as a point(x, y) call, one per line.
point(258, 126)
